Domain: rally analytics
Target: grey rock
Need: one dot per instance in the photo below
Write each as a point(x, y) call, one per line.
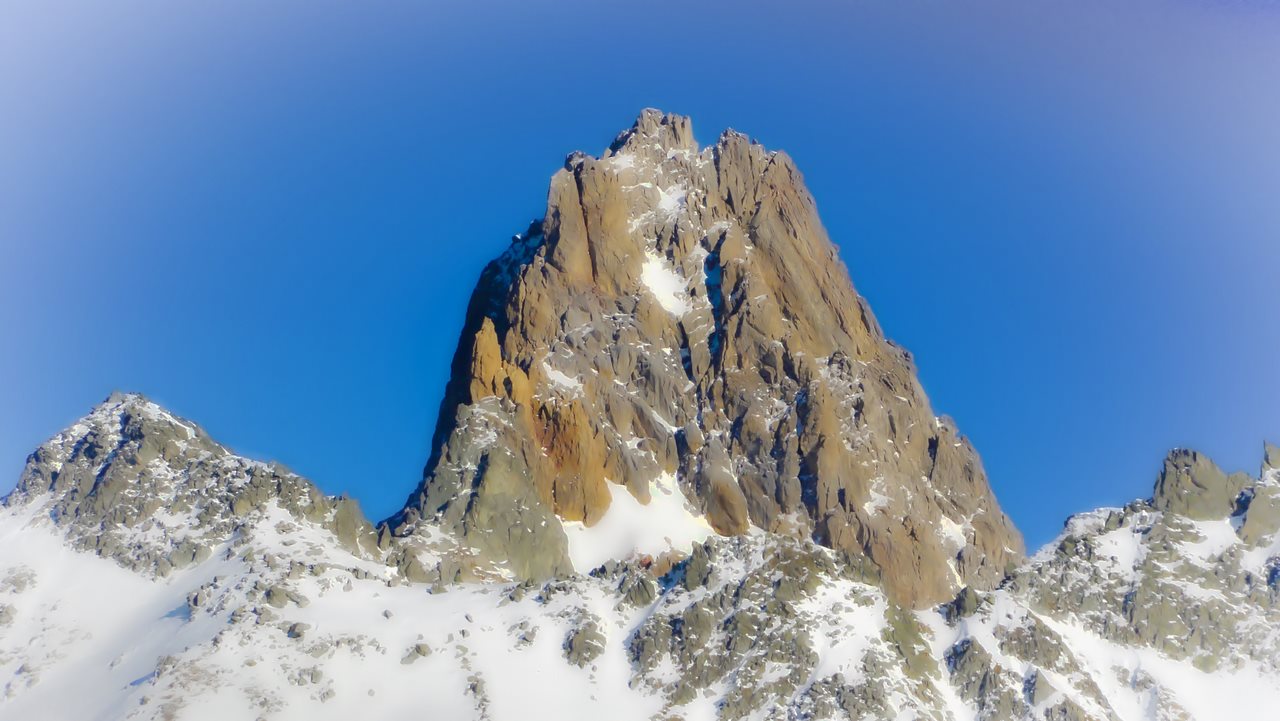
point(584, 644)
point(137, 484)
point(1192, 485)
point(415, 652)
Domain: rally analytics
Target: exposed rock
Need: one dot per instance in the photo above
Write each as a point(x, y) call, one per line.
point(755, 626)
point(132, 482)
point(584, 644)
point(1171, 573)
point(682, 310)
point(1261, 515)
point(964, 605)
point(415, 652)
point(1192, 485)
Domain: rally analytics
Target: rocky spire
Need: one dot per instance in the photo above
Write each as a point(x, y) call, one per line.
point(1261, 513)
point(681, 312)
point(1191, 484)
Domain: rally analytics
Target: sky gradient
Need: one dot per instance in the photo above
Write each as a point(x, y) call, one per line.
point(269, 217)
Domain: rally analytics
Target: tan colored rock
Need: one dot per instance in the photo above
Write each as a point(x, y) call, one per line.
point(682, 310)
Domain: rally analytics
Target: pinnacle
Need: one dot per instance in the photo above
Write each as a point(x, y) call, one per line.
point(125, 398)
point(655, 127)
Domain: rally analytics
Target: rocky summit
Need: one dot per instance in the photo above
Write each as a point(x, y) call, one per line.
point(679, 473)
point(680, 313)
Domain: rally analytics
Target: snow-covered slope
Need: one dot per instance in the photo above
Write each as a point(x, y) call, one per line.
point(1134, 614)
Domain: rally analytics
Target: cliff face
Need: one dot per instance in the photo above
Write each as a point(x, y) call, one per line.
point(681, 313)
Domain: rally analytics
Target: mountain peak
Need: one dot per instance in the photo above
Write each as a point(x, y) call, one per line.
point(1270, 457)
point(124, 397)
point(681, 314)
point(1191, 484)
point(133, 482)
point(654, 128)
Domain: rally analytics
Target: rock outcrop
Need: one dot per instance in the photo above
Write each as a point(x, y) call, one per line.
point(681, 311)
point(1193, 486)
point(1188, 572)
point(132, 482)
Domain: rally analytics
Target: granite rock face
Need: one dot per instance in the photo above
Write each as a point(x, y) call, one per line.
point(681, 310)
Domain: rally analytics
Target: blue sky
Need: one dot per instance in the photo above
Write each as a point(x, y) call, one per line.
point(270, 218)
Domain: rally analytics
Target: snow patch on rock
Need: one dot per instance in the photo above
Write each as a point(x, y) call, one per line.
point(631, 527)
point(666, 285)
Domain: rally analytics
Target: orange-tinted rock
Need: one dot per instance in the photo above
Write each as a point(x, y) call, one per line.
point(683, 310)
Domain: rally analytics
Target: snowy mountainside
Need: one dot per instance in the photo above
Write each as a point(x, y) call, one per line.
point(281, 618)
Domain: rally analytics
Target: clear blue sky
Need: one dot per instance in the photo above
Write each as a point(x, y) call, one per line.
point(270, 219)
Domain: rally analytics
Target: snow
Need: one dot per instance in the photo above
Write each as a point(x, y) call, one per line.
point(88, 634)
point(561, 380)
point(1221, 695)
point(941, 638)
point(623, 161)
point(85, 628)
point(1124, 546)
point(665, 283)
point(88, 637)
point(843, 632)
point(1005, 612)
point(631, 527)
point(671, 201)
point(1215, 538)
point(875, 498)
point(1255, 559)
point(952, 534)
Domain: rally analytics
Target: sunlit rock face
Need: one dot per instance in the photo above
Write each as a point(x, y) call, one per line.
point(680, 311)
